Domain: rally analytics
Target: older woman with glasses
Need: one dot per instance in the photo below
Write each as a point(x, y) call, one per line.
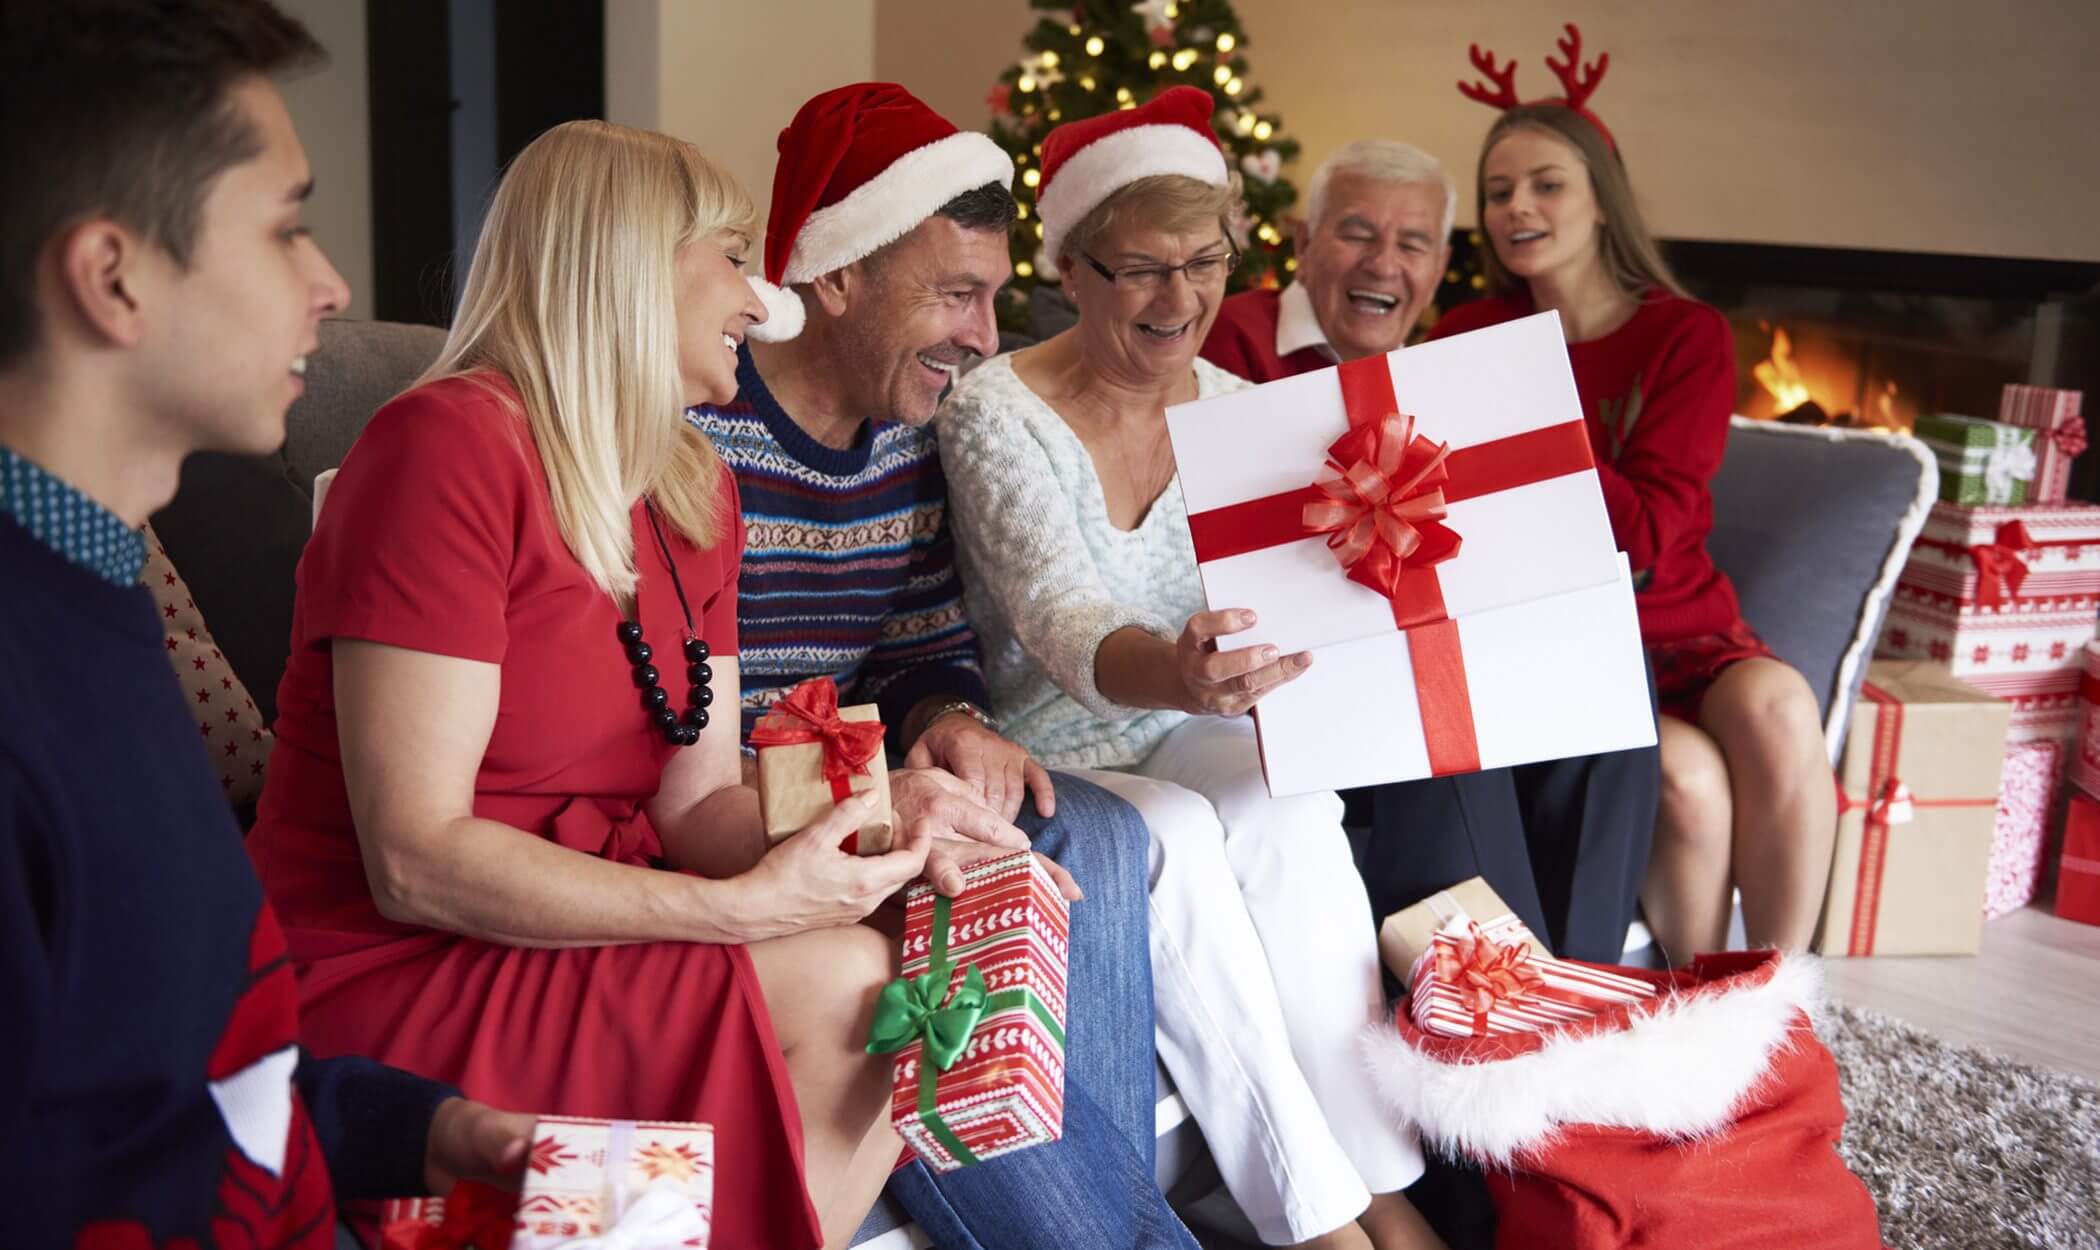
point(1082, 581)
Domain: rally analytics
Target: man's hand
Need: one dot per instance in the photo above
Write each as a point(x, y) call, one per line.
point(931, 804)
point(998, 770)
point(950, 856)
point(473, 1141)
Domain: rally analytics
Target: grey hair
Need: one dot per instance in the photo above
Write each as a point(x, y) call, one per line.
point(1381, 160)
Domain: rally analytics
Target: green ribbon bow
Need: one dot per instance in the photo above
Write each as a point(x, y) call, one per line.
point(910, 1009)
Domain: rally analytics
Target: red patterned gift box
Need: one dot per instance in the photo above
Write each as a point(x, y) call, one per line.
point(2078, 872)
point(2055, 414)
point(1486, 980)
point(2004, 598)
point(649, 1183)
point(2085, 748)
point(471, 1217)
point(977, 1020)
point(2025, 798)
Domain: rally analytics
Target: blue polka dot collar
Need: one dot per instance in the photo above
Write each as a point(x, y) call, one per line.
point(69, 522)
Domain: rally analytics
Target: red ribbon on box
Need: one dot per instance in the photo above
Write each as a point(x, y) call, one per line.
point(2001, 565)
point(1383, 514)
point(1486, 974)
point(810, 713)
point(1888, 802)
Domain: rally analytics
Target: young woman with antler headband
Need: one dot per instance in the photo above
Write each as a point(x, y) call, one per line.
point(1746, 797)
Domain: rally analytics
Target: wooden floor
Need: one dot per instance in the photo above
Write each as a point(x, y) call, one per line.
point(2032, 992)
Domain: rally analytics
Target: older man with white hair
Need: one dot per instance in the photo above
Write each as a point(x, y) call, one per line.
point(1373, 247)
point(1563, 842)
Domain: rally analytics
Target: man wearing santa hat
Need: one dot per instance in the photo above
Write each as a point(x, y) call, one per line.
point(885, 247)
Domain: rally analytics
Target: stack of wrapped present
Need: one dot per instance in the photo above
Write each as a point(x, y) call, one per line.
point(2002, 590)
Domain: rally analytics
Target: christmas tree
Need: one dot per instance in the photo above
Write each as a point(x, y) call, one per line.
point(1111, 54)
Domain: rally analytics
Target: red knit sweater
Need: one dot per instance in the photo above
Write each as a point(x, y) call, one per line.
point(1656, 394)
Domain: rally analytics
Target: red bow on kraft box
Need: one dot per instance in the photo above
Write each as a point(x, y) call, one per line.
point(813, 754)
point(1379, 514)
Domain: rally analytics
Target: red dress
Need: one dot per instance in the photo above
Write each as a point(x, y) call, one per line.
point(1656, 395)
point(439, 535)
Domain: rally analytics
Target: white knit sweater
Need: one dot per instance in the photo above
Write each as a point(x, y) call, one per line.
point(1047, 577)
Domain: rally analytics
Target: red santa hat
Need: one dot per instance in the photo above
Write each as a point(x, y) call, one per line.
point(860, 167)
point(1085, 162)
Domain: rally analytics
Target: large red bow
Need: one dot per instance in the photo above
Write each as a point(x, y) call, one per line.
point(1486, 973)
point(2000, 566)
point(1382, 512)
point(810, 713)
point(2069, 437)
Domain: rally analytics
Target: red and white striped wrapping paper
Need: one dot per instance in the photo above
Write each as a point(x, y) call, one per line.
point(2005, 598)
point(2026, 797)
point(1006, 1092)
point(1439, 1007)
point(2085, 747)
point(2055, 414)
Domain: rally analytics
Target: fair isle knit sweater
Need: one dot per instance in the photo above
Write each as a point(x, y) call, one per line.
point(848, 566)
point(1049, 577)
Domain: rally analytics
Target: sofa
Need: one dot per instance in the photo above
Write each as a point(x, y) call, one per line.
point(1813, 525)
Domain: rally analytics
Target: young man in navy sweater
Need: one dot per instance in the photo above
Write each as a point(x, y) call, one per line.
point(158, 296)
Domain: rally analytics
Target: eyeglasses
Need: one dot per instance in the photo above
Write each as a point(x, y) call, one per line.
point(1151, 279)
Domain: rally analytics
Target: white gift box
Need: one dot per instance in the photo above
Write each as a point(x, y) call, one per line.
point(1552, 664)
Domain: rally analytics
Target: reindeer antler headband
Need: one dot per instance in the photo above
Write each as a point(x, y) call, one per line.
point(1580, 83)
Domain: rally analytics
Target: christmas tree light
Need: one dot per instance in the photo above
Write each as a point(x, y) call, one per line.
point(1119, 54)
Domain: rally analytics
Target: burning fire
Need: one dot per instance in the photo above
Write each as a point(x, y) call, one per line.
point(1779, 375)
point(1833, 389)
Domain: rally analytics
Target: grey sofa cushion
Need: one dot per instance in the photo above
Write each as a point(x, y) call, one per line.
point(1813, 526)
point(237, 525)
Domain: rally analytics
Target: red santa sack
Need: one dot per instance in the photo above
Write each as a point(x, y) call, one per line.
point(1706, 1117)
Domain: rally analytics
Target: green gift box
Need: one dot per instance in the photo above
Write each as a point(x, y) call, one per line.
point(1981, 462)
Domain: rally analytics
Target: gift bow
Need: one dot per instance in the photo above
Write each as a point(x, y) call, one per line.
point(1486, 973)
point(1382, 511)
point(663, 1217)
point(1894, 805)
point(2000, 566)
point(810, 713)
point(910, 1009)
point(2012, 461)
point(2069, 437)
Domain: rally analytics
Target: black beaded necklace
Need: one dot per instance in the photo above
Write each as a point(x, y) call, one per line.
point(656, 701)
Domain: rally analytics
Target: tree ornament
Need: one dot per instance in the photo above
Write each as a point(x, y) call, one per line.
point(1265, 164)
point(1000, 100)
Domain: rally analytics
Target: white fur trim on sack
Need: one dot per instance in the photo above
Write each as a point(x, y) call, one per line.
point(1681, 1072)
point(888, 206)
point(1113, 162)
point(784, 312)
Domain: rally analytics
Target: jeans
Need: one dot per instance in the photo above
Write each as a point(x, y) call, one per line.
point(1095, 1187)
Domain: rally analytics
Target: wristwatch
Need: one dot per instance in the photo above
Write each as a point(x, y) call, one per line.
point(967, 708)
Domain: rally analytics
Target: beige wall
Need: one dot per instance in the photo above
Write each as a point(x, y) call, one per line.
point(330, 109)
point(728, 74)
point(1915, 125)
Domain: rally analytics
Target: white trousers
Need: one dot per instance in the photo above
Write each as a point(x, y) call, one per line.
point(1265, 974)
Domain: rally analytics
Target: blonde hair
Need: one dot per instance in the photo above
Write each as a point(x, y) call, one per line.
point(1624, 245)
point(1172, 203)
point(571, 297)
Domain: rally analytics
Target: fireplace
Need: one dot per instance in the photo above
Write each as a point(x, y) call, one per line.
point(1873, 339)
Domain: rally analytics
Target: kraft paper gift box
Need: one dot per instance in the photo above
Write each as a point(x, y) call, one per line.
point(1981, 462)
point(1407, 934)
point(2059, 434)
point(1430, 525)
point(977, 1020)
point(633, 1182)
point(813, 754)
point(1918, 800)
point(2026, 800)
point(2004, 598)
point(2078, 872)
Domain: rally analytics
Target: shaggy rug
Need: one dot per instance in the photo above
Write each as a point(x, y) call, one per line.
point(1963, 1149)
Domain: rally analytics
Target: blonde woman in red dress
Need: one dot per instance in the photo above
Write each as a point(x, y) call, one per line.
point(1747, 800)
point(495, 744)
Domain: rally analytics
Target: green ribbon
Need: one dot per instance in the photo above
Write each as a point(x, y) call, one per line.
point(912, 1009)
